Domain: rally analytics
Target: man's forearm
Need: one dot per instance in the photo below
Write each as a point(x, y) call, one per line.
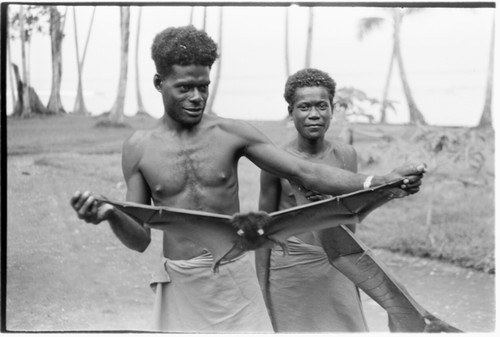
point(132, 234)
point(334, 181)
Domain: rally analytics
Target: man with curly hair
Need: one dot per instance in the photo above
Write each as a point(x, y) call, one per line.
point(189, 160)
point(329, 301)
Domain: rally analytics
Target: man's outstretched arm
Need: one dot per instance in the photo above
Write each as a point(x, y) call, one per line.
point(313, 176)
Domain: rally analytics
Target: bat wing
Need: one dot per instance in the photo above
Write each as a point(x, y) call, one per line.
point(349, 255)
point(349, 208)
point(209, 230)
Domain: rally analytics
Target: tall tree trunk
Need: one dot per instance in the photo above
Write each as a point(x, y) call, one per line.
point(34, 103)
point(191, 15)
point(140, 105)
point(415, 114)
point(55, 105)
point(116, 115)
point(385, 94)
point(287, 52)
point(11, 74)
point(309, 37)
point(204, 24)
point(79, 107)
point(25, 106)
point(486, 120)
point(215, 84)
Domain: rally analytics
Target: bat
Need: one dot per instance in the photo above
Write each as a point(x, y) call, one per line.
point(227, 237)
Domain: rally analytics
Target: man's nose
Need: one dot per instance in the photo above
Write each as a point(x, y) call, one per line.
point(196, 96)
point(314, 113)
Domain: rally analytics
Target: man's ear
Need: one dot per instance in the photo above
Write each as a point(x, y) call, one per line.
point(157, 82)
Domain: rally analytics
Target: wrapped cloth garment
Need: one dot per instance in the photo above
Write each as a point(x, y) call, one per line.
point(307, 294)
point(190, 297)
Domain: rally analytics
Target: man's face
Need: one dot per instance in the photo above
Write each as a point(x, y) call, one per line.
point(185, 92)
point(312, 112)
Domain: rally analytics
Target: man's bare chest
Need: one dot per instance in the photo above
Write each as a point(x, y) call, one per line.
point(176, 166)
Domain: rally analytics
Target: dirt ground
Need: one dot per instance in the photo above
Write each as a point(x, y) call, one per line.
point(65, 275)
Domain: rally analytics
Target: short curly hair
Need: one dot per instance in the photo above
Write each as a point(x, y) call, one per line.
point(308, 77)
point(182, 46)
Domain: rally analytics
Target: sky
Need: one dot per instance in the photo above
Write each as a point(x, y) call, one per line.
point(445, 52)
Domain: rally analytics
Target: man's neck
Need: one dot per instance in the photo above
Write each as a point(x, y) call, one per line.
point(170, 124)
point(311, 146)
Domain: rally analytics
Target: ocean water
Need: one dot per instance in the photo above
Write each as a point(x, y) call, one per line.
point(451, 99)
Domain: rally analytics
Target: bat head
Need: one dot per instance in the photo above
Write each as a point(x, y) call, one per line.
point(251, 228)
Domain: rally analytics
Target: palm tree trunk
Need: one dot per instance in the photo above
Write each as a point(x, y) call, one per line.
point(309, 38)
point(385, 94)
point(117, 111)
point(79, 106)
point(140, 105)
point(287, 52)
point(204, 24)
point(56, 36)
point(415, 114)
point(215, 84)
point(11, 75)
point(486, 120)
point(25, 106)
point(191, 15)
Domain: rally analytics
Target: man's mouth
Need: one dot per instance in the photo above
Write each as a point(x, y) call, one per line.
point(194, 112)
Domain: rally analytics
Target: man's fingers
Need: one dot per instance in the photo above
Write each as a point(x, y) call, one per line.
point(413, 169)
point(85, 209)
point(80, 201)
point(74, 198)
point(422, 168)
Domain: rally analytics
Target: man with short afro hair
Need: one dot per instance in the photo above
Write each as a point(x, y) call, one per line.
point(327, 301)
point(183, 46)
point(308, 77)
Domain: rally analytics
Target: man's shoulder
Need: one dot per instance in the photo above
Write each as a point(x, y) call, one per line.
point(138, 140)
point(139, 136)
point(343, 148)
point(233, 126)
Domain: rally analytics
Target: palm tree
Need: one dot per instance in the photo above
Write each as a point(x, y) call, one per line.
point(367, 25)
point(27, 21)
point(309, 38)
point(116, 115)
point(215, 83)
point(140, 105)
point(57, 22)
point(79, 107)
point(191, 15)
point(486, 120)
point(9, 63)
point(287, 51)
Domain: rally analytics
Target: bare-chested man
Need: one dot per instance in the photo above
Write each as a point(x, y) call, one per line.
point(304, 292)
point(189, 160)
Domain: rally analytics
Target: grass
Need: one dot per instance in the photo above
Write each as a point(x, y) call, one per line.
point(451, 219)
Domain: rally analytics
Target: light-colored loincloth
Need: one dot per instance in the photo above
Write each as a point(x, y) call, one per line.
point(307, 294)
point(192, 298)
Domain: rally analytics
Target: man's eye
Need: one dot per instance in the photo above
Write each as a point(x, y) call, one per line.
point(185, 88)
point(203, 88)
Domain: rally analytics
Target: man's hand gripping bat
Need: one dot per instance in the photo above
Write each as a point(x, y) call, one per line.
point(227, 237)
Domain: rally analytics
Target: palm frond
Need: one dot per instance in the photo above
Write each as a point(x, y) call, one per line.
point(368, 24)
